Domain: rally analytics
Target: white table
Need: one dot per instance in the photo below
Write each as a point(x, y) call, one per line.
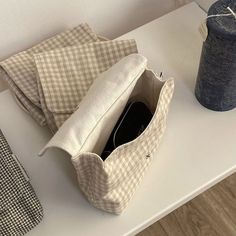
point(197, 151)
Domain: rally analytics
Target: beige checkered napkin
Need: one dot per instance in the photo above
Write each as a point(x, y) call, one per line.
point(20, 68)
point(66, 74)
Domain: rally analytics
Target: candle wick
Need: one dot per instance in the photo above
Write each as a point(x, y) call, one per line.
point(232, 12)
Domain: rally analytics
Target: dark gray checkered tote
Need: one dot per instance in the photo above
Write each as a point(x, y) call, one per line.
point(20, 209)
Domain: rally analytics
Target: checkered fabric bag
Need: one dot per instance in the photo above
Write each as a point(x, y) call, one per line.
point(20, 209)
point(110, 184)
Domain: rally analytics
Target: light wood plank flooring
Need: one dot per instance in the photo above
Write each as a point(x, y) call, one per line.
point(212, 213)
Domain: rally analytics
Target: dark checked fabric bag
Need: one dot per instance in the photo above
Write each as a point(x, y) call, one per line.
point(20, 209)
point(110, 184)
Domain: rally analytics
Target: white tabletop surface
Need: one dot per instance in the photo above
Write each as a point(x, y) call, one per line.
point(198, 148)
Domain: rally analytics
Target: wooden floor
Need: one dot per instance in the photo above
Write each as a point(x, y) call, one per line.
point(212, 213)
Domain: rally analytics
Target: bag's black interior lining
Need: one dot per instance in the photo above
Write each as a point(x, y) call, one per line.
point(132, 122)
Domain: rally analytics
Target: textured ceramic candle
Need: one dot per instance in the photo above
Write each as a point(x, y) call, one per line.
point(216, 81)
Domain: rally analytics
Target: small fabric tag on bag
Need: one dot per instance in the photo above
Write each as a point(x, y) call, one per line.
point(203, 30)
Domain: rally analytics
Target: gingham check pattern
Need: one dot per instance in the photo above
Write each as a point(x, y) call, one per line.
point(21, 68)
point(110, 184)
point(20, 209)
point(48, 115)
point(21, 71)
point(35, 112)
point(67, 73)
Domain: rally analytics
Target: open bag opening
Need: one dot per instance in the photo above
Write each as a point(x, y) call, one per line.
point(142, 102)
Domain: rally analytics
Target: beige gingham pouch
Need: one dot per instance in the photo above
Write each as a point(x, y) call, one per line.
point(110, 184)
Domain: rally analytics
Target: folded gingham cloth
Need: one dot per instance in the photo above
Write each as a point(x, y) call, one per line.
point(20, 209)
point(50, 79)
point(20, 71)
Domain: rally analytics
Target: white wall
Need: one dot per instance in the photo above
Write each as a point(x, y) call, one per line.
point(205, 4)
point(25, 22)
